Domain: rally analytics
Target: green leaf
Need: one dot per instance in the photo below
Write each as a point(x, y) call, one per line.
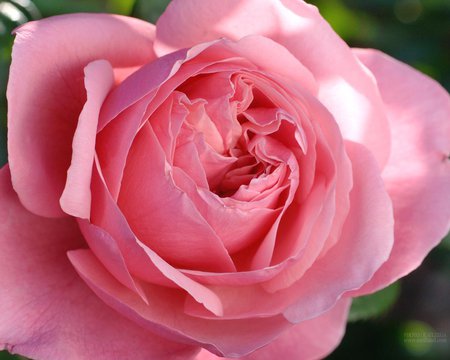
point(445, 244)
point(124, 7)
point(4, 355)
point(374, 305)
point(149, 10)
point(55, 7)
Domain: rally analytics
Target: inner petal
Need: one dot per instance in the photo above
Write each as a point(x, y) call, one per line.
point(249, 177)
point(164, 217)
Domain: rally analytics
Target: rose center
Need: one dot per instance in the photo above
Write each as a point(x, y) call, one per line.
point(227, 134)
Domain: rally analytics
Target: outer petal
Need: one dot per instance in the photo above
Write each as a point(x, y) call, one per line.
point(163, 314)
point(418, 172)
point(47, 312)
point(344, 86)
point(46, 94)
point(310, 339)
point(76, 198)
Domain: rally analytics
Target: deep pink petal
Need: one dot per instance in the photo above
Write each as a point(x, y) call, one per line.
point(46, 94)
point(310, 339)
point(417, 175)
point(76, 197)
point(344, 85)
point(47, 312)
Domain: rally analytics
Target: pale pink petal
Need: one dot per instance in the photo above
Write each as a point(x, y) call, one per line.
point(418, 172)
point(124, 108)
point(314, 220)
point(174, 113)
point(124, 255)
point(192, 144)
point(364, 245)
point(108, 252)
point(284, 64)
point(315, 224)
point(310, 339)
point(344, 85)
point(239, 278)
point(113, 144)
point(200, 120)
point(128, 105)
point(47, 312)
point(217, 89)
point(76, 197)
point(164, 217)
point(107, 216)
point(46, 94)
point(236, 226)
point(270, 149)
point(163, 314)
point(146, 80)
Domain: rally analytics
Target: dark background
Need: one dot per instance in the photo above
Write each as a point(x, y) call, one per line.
point(410, 320)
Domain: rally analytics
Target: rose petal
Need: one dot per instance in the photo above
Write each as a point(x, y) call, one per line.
point(46, 94)
point(310, 339)
point(315, 224)
point(138, 258)
point(47, 312)
point(164, 217)
point(131, 103)
point(417, 175)
point(123, 109)
point(164, 314)
point(364, 245)
point(345, 87)
point(114, 141)
point(146, 80)
point(216, 91)
point(236, 226)
point(76, 197)
point(108, 252)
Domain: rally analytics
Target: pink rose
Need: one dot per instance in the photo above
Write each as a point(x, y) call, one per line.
point(226, 181)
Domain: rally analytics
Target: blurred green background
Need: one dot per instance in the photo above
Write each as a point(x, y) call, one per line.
point(411, 319)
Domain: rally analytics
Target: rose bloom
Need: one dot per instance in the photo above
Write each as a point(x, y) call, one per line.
point(220, 185)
